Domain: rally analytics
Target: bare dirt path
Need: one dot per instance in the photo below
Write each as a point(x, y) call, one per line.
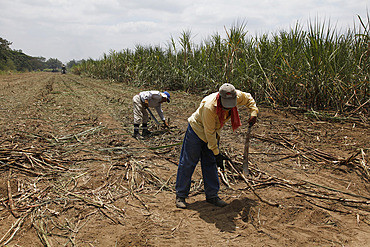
point(72, 175)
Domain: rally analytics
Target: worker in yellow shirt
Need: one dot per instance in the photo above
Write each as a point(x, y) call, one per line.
point(201, 140)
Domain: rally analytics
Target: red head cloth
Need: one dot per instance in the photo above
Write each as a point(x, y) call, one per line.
point(235, 120)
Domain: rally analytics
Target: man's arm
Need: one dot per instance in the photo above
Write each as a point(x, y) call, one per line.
point(160, 112)
point(209, 120)
point(247, 100)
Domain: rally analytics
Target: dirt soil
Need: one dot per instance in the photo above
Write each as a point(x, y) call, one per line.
point(72, 175)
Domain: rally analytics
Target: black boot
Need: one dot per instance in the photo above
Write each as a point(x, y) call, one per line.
point(146, 132)
point(217, 202)
point(136, 131)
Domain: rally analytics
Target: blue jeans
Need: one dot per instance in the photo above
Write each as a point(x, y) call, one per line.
point(194, 149)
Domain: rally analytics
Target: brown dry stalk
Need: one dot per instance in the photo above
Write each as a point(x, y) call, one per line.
point(42, 232)
point(140, 200)
point(13, 210)
point(336, 190)
point(9, 235)
point(331, 197)
point(250, 186)
point(315, 155)
point(255, 193)
point(100, 205)
point(363, 164)
point(165, 184)
point(224, 179)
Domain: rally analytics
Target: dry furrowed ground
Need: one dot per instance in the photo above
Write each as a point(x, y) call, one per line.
point(72, 175)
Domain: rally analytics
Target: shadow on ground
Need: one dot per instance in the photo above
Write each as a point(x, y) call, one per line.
point(224, 218)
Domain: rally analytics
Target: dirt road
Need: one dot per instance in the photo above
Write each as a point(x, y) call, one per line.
point(72, 175)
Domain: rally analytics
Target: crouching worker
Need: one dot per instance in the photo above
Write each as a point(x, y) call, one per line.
point(144, 100)
point(201, 141)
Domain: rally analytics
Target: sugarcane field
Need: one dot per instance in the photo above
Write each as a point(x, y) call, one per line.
point(72, 174)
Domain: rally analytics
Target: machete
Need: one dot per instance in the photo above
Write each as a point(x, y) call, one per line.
point(151, 114)
point(246, 151)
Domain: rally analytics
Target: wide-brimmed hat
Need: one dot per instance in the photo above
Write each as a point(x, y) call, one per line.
point(228, 95)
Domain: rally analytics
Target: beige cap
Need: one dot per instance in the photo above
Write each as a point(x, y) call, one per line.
point(228, 95)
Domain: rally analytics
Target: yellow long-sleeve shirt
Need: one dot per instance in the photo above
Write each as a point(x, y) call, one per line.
point(205, 123)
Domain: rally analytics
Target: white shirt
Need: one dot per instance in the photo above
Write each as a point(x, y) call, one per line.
point(154, 100)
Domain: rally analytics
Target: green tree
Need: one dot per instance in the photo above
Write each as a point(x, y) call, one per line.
point(5, 50)
point(4, 44)
point(54, 64)
point(72, 63)
point(19, 61)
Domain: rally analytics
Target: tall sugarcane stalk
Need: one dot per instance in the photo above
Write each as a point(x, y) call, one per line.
point(314, 68)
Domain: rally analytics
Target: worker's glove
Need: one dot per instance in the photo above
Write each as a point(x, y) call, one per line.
point(252, 120)
point(146, 104)
point(220, 161)
point(165, 124)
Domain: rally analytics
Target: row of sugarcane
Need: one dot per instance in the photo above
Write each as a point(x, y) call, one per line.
point(315, 67)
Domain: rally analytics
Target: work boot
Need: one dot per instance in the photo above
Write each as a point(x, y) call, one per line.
point(146, 132)
point(217, 202)
point(136, 134)
point(180, 202)
point(136, 131)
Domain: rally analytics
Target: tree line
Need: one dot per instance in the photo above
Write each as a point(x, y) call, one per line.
point(16, 60)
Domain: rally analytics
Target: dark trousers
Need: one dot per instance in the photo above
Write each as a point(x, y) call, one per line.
point(194, 149)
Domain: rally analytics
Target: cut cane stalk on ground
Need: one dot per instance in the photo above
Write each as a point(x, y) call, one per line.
point(250, 187)
point(246, 151)
point(88, 177)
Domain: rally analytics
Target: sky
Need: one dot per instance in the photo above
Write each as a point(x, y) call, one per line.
point(83, 29)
